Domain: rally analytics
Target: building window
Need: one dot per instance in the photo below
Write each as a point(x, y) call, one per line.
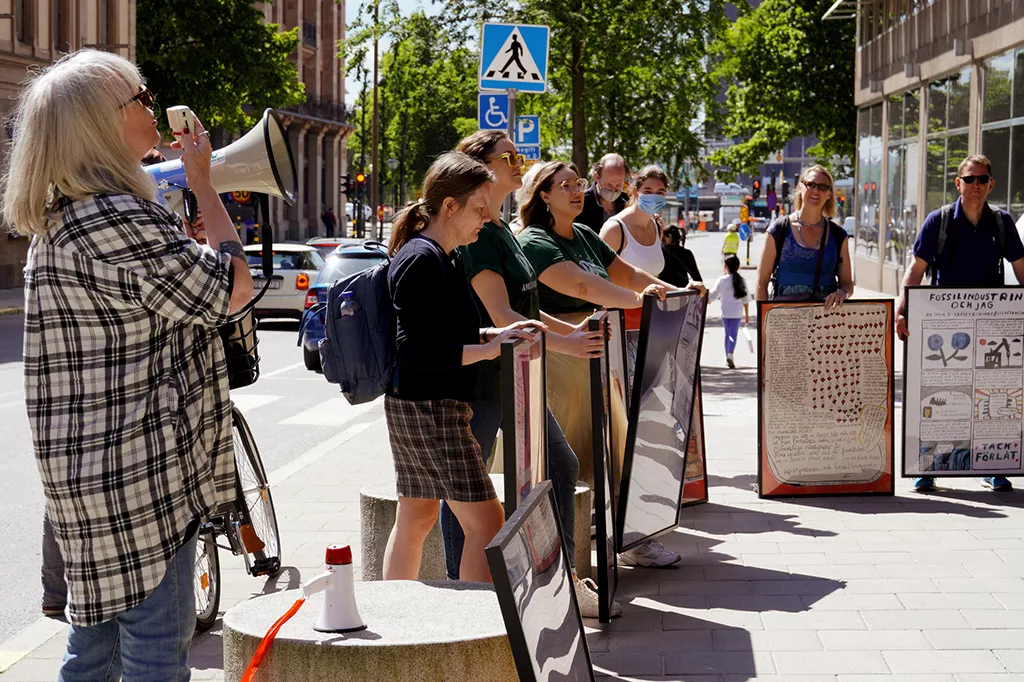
point(61, 25)
point(1002, 130)
point(26, 20)
point(904, 174)
point(107, 23)
point(946, 137)
point(869, 171)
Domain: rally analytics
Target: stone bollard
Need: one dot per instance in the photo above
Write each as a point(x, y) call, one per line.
point(415, 632)
point(379, 502)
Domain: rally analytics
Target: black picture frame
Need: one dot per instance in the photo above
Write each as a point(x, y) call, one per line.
point(702, 447)
point(968, 473)
point(511, 354)
point(600, 419)
point(530, 569)
point(651, 308)
point(888, 488)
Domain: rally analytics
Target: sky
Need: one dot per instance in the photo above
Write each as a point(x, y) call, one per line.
point(351, 7)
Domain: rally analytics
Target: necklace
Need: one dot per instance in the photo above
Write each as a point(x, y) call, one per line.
point(820, 223)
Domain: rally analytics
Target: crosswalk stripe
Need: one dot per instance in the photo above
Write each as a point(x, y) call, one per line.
point(248, 402)
point(333, 412)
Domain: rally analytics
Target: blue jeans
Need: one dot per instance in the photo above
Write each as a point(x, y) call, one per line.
point(148, 643)
point(55, 589)
point(732, 332)
point(562, 465)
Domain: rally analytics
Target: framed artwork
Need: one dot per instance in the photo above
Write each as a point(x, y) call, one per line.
point(963, 374)
point(600, 419)
point(524, 418)
point(533, 581)
point(825, 399)
point(660, 417)
point(695, 479)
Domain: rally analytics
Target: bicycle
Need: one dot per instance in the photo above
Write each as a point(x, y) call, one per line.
point(248, 522)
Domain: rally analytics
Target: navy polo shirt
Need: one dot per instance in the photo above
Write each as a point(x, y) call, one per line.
point(970, 256)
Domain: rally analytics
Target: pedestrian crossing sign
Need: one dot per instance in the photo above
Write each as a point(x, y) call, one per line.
point(514, 56)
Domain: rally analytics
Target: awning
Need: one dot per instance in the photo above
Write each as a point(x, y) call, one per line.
point(844, 9)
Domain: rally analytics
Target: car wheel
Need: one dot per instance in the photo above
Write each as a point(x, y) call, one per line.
point(311, 359)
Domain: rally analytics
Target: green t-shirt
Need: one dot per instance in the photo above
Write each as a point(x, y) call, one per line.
point(498, 251)
point(544, 248)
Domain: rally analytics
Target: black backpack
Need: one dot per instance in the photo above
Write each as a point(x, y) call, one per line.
point(782, 230)
point(945, 215)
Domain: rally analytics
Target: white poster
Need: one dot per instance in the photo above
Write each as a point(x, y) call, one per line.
point(963, 374)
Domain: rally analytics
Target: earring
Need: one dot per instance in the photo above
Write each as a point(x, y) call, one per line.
point(547, 207)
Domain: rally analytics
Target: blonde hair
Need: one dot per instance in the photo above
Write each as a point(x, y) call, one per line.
point(66, 140)
point(829, 210)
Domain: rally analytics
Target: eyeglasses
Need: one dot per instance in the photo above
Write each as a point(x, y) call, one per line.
point(145, 96)
point(573, 186)
point(820, 186)
point(969, 179)
point(520, 160)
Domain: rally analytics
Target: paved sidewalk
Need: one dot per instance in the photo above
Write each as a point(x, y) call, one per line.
point(12, 301)
point(909, 589)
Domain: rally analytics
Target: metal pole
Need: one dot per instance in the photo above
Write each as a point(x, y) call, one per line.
point(506, 208)
point(374, 198)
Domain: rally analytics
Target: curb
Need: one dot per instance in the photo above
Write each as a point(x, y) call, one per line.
point(28, 640)
point(11, 311)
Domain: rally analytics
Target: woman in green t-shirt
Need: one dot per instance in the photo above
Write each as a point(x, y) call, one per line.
point(505, 286)
point(578, 273)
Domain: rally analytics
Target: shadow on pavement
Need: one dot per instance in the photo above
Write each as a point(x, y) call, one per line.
point(721, 384)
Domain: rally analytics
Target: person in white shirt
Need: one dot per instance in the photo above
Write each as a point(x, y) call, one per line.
point(731, 289)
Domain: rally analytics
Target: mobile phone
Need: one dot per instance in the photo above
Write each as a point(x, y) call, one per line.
point(181, 120)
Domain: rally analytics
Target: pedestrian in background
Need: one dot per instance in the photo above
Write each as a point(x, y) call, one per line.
point(680, 263)
point(130, 415)
point(607, 194)
point(813, 262)
point(731, 290)
point(505, 287)
point(971, 255)
point(731, 245)
point(440, 344)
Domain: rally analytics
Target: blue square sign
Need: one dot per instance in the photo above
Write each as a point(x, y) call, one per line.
point(531, 152)
point(527, 130)
point(514, 56)
point(493, 111)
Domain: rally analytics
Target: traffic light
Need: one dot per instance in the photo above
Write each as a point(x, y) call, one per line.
point(757, 189)
point(361, 184)
point(347, 186)
point(785, 190)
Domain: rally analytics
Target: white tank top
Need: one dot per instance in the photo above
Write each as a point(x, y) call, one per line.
point(650, 259)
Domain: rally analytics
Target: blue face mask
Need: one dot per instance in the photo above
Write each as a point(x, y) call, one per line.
point(650, 203)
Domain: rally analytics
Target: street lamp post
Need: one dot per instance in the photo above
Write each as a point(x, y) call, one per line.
point(392, 165)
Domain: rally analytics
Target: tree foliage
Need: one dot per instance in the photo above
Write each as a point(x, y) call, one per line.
point(427, 90)
point(216, 56)
point(789, 74)
point(627, 76)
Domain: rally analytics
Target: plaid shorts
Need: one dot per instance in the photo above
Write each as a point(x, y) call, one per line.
point(436, 456)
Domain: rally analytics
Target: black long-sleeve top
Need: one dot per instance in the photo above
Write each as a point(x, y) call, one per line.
point(436, 318)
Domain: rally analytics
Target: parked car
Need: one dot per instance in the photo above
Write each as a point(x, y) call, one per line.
point(346, 260)
point(350, 211)
point(327, 245)
point(850, 225)
point(296, 266)
point(760, 224)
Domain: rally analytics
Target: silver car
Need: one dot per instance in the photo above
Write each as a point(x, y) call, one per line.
point(296, 267)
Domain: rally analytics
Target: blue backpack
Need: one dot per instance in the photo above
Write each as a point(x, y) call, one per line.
point(359, 351)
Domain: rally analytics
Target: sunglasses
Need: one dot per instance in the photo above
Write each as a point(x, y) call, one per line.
point(573, 186)
point(820, 186)
point(969, 179)
point(145, 96)
point(520, 160)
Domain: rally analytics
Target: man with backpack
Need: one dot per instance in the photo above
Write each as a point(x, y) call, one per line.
point(963, 244)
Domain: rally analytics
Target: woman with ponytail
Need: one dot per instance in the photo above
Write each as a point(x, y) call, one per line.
point(440, 343)
point(731, 289)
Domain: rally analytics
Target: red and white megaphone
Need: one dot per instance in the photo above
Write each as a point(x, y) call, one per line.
point(339, 612)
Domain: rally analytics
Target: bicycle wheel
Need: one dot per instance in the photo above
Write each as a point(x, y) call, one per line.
point(207, 581)
point(258, 503)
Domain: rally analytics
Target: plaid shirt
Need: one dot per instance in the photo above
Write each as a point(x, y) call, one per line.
point(127, 393)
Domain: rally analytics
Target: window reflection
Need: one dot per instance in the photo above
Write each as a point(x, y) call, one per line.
point(869, 167)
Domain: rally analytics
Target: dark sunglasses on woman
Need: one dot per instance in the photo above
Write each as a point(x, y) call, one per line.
point(145, 96)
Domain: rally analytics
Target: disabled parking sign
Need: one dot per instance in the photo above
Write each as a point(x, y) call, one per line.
point(493, 111)
point(514, 56)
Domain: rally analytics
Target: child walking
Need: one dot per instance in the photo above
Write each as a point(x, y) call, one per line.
point(732, 290)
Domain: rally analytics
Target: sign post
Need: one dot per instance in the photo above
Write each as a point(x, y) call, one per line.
point(514, 58)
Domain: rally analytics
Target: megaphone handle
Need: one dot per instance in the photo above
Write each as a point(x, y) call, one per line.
point(266, 235)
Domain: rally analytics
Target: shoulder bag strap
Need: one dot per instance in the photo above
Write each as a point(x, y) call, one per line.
point(622, 243)
point(821, 256)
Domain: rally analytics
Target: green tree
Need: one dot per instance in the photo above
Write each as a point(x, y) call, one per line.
point(427, 93)
point(216, 56)
point(627, 76)
point(789, 74)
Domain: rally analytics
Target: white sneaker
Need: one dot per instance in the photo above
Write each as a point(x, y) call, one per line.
point(651, 554)
point(586, 596)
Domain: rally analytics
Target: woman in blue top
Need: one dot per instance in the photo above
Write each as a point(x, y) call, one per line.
point(802, 274)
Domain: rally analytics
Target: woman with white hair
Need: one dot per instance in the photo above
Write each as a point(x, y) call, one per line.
point(125, 378)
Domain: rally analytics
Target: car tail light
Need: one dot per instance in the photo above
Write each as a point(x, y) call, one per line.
point(311, 299)
point(302, 281)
